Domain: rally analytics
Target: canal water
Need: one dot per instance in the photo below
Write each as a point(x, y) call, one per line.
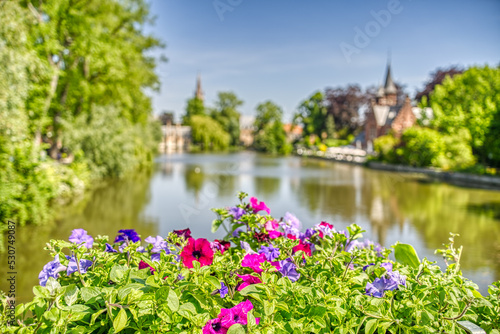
point(183, 188)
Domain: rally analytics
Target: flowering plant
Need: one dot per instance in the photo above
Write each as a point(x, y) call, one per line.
point(266, 276)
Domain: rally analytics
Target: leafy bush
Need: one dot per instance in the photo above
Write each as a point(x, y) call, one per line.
point(110, 145)
point(271, 278)
point(424, 147)
point(385, 146)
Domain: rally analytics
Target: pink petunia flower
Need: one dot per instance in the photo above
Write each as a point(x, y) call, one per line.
point(303, 247)
point(143, 265)
point(220, 245)
point(247, 280)
point(258, 206)
point(214, 326)
point(274, 234)
point(253, 261)
point(197, 250)
point(236, 315)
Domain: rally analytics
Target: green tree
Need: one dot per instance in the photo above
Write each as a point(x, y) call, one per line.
point(471, 102)
point(227, 114)
point(208, 133)
point(194, 107)
point(270, 135)
point(311, 115)
point(96, 54)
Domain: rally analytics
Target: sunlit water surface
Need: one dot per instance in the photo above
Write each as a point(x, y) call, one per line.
point(181, 190)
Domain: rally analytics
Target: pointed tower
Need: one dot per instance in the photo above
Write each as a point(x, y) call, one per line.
point(390, 89)
point(199, 93)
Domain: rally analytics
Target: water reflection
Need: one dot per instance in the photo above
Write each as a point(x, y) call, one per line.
point(183, 189)
point(116, 206)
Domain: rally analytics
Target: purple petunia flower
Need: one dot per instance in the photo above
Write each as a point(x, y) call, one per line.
point(289, 269)
point(156, 257)
point(158, 243)
point(73, 267)
point(310, 232)
point(379, 286)
point(291, 220)
point(236, 212)
point(237, 232)
point(270, 252)
point(79, 235)
point(110, 249)
point(127, 235)
point(51, 269)
point(396, 277)
point(223, 290)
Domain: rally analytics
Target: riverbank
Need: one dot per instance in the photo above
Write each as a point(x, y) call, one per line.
point(456, 178)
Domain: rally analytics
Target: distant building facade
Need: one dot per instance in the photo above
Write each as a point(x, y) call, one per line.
point(247, 129)
point(386, 114)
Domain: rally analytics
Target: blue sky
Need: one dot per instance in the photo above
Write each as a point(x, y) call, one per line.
point(284, 50)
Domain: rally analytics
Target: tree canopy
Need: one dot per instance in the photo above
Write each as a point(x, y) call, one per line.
point(471, 101)
point(270, 136)
point(226, 113)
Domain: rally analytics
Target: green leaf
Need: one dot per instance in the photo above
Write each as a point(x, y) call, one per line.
point(477, 294)
point(269, 307)
point(214, 281)
point(89, 293)
point(120, 321)
point(406, 254)
point(371, 326)
point(187, 310)
point(252, 288)
point(41, 291)
point(236, 329)
point(117, 272)
point(71, 294)
point(95, 315)
point(216, 224)
point(52, 285)
point(173, 301)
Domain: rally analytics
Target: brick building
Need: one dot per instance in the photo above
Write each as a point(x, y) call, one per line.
point(387, 114)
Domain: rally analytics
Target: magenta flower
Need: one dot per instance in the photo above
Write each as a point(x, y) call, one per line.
point(235, 315)
point(214, 326)
point(258, 206)
point(197, 250)
point(306, 248)
point(247, 280)
point(144, 265)
point(253, 261)
point(220, 245)
point(274, 234)
point(186, 233)
point(79, 235)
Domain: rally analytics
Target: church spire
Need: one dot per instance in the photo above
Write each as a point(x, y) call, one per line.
point(389, 87)
point(199, 93)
